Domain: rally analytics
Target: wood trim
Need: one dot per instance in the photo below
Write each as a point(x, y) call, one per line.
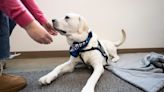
point(65, 53)
point(42, 54)
point(137, 50)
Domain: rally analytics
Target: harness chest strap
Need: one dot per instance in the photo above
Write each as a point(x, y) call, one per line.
point(99, 48)
point(78, 47)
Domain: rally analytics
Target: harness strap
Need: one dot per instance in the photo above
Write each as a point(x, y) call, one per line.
point(99, 48)
point(76, 47)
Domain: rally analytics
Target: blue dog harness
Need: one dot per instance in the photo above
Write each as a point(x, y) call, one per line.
point(78, 47)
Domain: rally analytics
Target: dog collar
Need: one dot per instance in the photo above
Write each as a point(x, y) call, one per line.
point(79, 46)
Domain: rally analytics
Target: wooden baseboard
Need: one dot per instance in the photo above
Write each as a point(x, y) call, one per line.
point(42, 54)
point(137, 50)
point(65, 53)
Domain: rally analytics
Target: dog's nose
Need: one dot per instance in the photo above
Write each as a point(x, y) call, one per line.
point(54, 20)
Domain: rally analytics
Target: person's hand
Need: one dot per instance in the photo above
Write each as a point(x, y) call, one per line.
point(50, 29)
point(38, 33)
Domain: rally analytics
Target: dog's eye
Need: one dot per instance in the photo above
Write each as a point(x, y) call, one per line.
point(67, 17)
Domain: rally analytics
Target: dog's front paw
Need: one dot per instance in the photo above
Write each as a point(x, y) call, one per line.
point(47, 79)
point(87, 89)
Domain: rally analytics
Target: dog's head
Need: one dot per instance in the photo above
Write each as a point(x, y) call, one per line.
point(71, 24)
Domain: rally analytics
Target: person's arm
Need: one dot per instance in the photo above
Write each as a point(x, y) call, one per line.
point(18, 12)
point(38, 15)
point(35, 11)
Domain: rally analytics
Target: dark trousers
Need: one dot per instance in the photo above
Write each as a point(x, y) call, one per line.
point(6, 27)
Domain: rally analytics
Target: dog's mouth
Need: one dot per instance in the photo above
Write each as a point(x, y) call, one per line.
point(59, 30)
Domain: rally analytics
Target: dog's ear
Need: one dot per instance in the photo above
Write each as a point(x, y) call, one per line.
point(83, 25)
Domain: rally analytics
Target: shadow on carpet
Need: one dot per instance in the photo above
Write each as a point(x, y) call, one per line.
point(74, 82)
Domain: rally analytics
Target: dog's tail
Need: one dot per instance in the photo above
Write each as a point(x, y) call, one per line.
point(118, 43)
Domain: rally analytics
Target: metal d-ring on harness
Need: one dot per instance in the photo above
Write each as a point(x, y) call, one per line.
point(99, 48)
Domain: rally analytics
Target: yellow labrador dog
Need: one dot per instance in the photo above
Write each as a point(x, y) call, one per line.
point(84, 47)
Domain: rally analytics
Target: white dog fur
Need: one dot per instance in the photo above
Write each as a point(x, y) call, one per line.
point(75, 28)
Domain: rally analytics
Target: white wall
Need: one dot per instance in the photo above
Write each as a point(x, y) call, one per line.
point(143, 21)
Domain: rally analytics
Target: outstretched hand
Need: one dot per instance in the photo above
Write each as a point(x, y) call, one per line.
point(50, 29)
point(38, 33)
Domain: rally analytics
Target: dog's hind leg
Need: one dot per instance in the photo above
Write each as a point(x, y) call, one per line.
point(114, 55)
point(59, 70)
point(111, 50)
point(115, 58)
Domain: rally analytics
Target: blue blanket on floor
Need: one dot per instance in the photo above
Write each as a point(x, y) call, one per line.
point(146, 74)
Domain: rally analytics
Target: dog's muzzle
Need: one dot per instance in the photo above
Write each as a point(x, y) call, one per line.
point(55, 24)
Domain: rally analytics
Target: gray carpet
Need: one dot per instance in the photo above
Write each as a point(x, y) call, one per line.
point(33, 69)
point(73, 82)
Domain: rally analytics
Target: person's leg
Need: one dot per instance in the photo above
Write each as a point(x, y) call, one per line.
point(8, 83)
point(10, 25)
point(6, 27)
point(4, 37)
